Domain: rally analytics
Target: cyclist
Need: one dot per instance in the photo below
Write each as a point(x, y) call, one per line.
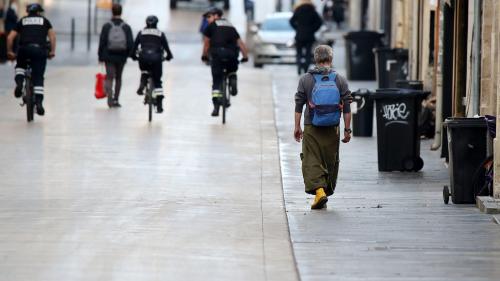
point(222, 43)
point(153, 43)
point(33, 31)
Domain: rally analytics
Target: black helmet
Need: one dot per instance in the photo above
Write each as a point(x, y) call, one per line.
point(213, 11)
point(151, 21)
point(34, 8)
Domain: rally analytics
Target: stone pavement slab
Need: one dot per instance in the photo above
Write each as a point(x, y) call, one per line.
point(91, 193)
point(380, 226)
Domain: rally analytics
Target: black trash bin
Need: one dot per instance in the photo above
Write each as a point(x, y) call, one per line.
point(360, 60)
point(362, 119)
point(391, 65)
point(467, 144)
point(398, 140)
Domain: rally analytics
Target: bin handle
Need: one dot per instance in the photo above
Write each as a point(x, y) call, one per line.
point(363, 101)
point(388, 64)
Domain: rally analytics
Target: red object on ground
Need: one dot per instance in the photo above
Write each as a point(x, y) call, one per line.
point(99, 86)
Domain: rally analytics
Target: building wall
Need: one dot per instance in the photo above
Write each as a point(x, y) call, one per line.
point(354, 11)
point(488, 97)
point(400, 24)
point(496, 84)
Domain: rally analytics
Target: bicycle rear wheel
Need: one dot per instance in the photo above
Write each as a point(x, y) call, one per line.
point(482, 179)
point(225, 100)
point(29, 101)
point(150, 114)
point(149, 99)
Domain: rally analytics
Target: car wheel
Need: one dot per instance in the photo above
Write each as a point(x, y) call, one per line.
point(173, 4)
point(258, 65)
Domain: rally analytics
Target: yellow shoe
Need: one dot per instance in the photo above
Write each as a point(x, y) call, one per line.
point(320, 199)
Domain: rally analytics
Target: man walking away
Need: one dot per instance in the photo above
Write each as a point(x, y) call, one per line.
point(115, 45)
point(11, 16)
point(306, 21)
point(326, 96)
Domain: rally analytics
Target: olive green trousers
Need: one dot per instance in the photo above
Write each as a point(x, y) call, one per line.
point(320, 158)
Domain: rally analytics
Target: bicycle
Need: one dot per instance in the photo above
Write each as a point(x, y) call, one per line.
point(28, 97)
point(226, 98)
point(483, 177)
point(228, 86)
point(148, 98)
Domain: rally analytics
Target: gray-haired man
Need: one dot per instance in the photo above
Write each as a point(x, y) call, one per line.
point(320, 144)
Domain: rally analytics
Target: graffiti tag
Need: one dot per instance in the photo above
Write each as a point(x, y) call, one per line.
point(393, 112)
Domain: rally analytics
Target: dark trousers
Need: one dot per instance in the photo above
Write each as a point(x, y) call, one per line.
point(156, 71)
point(36, 57)
point(218, 65)
point(113, 72)
point(304, 56)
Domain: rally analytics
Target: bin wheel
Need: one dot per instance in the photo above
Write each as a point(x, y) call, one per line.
point(408, 164)
point(446, 194)
point(418, 164)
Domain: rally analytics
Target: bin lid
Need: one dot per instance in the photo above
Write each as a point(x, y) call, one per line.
point(396, 51)
point(398, 93)
point(363, 34)
point(455, 122)
point(362, 93)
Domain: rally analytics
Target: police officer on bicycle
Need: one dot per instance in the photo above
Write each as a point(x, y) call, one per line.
point(222, 43)
point(150, 45)
point(33, 31)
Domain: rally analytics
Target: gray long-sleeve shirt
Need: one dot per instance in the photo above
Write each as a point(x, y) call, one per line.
point(306, 85)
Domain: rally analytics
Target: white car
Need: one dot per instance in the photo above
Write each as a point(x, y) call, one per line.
point(273, 41)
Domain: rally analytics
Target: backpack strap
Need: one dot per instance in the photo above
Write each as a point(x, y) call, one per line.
point(319, 77)
point(122, 24)
point(332, 76)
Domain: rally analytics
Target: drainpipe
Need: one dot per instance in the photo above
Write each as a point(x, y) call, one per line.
point(438, 78)
point(476, 62)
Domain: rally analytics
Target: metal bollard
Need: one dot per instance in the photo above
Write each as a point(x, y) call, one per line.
point(72, 34)
point(89, 11)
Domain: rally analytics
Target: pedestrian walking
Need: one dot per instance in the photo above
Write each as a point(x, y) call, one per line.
point(327, 96)
point(11, 16)
point(306, 21)
point(115, 46)
point(338, 12)
point(3, 36)
point(328, 13)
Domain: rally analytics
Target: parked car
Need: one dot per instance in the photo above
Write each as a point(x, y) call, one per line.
point(273, 41)
point(173, 3)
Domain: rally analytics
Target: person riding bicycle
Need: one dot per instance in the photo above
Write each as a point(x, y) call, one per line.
point(222, 43)
point(153, 43)
point(33, 30)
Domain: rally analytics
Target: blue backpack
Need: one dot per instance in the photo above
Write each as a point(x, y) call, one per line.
point(325, 101)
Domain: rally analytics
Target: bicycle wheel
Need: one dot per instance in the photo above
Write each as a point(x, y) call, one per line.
point(225, 100)
point(29, 100)
point(483, 178)
point(150, 111)
point(149, 98)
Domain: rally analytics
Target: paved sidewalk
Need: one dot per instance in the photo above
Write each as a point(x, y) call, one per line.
point(380, 226)
point(89, 193)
